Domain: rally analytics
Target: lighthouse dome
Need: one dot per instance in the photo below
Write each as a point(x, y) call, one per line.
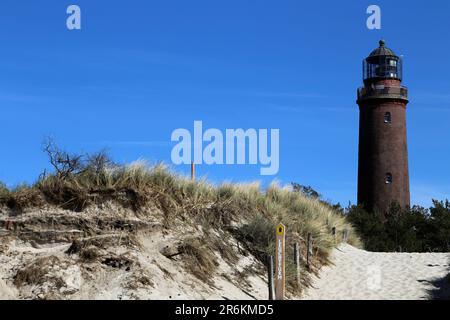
point(382, 50)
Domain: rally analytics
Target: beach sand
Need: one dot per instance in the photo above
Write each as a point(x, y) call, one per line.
point(359, 274)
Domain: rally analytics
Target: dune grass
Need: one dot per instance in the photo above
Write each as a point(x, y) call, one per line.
point(245, 211)
point(3, 190)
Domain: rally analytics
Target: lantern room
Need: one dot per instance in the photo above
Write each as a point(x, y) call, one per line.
point(382, 63)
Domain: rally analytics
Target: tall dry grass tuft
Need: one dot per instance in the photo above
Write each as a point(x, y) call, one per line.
point(199, 257)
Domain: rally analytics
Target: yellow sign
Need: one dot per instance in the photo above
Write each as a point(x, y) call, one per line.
point(280, 229)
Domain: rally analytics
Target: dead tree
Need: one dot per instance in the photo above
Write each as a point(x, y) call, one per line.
point(65, 164)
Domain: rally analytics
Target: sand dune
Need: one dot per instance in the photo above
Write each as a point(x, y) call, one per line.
point(5, 291)
point(61, 276)
point(359, 274)
point(353, 274)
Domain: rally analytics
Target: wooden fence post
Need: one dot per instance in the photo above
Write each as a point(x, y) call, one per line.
point(280, 275)
point(193, 170)
point(270, 277)
point(333, 232)
point(297, 262)
point(309, 251)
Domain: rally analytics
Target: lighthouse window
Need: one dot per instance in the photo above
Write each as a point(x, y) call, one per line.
point(387, 117)
point(388, 178)
point(392, 63)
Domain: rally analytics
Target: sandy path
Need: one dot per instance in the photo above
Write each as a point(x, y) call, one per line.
point(359, 274)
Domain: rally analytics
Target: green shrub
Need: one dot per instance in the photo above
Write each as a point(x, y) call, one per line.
point(413, 230)
point(4, 192)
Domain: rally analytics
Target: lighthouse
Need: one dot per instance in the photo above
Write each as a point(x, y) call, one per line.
point(383, 176)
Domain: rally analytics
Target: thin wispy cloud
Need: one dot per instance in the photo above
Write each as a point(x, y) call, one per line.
point(306, 95)
point(432, 100)
point(24, 98)
point(433, 107)
point(423, 194)
point(137, 143)
point(303, 107)
point(432, 95)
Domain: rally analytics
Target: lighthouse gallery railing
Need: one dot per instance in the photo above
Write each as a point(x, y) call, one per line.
point(383, 92)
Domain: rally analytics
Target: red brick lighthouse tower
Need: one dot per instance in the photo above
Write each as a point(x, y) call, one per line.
point(383, 154)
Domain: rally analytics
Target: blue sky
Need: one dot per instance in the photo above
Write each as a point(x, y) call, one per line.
point(140, 69)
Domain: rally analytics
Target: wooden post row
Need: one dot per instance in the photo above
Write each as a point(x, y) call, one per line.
point(270, 278)
point(333, 232)
point(297, 262)
point(309, 251)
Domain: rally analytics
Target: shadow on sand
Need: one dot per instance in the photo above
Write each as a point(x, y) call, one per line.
point(441, 290)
